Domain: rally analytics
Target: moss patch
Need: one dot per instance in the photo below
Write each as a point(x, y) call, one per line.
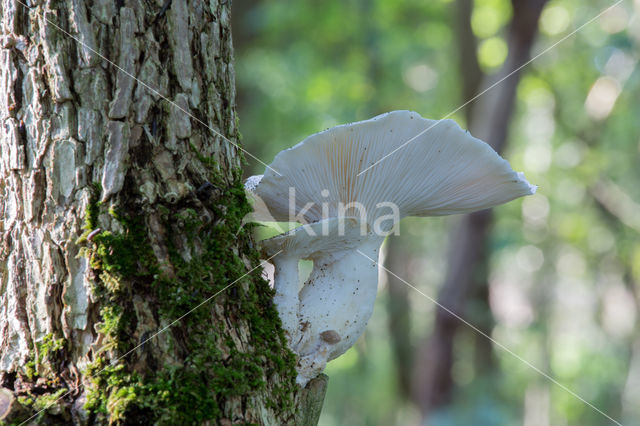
point(47, 351)
point(41, 388)
point(213, 368)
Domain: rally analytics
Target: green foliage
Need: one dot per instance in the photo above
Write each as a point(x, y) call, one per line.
point(301, 71)
point(564, 268)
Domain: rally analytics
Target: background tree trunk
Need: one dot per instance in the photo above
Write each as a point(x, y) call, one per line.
point(120, 213)
point(465, 290)
point(397, 258)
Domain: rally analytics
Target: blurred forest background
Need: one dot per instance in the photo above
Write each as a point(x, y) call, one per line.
point(554, 277)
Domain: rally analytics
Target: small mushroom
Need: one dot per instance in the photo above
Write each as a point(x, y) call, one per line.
point(93, 233)
point(348, 201)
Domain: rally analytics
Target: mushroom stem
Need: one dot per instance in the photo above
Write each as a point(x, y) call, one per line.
point(339, 296)
point(286, 297)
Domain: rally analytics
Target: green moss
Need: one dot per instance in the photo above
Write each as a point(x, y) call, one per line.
point(47, 352)
point(213, 369)
point(50, 345)
point(92, 212)
point(45, 386)
point(40, 404)
point(43, 402)
point(31, 370)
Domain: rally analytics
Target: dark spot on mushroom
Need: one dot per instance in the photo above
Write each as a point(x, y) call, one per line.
point(330, 336)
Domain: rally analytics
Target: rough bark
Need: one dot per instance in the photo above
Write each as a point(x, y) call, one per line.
point(120, 213)
point(467, 271)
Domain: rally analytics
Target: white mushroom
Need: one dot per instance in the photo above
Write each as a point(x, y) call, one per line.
point(444, 170)
point(331, 311)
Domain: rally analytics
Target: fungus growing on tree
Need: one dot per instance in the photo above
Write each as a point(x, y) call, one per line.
point(348, 200)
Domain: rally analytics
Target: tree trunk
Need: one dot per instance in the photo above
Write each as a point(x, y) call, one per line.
point(467, 271)
point(397, 258)
point(121, 216)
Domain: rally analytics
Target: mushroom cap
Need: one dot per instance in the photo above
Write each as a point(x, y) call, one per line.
point(438, 169)
point(317, 239)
